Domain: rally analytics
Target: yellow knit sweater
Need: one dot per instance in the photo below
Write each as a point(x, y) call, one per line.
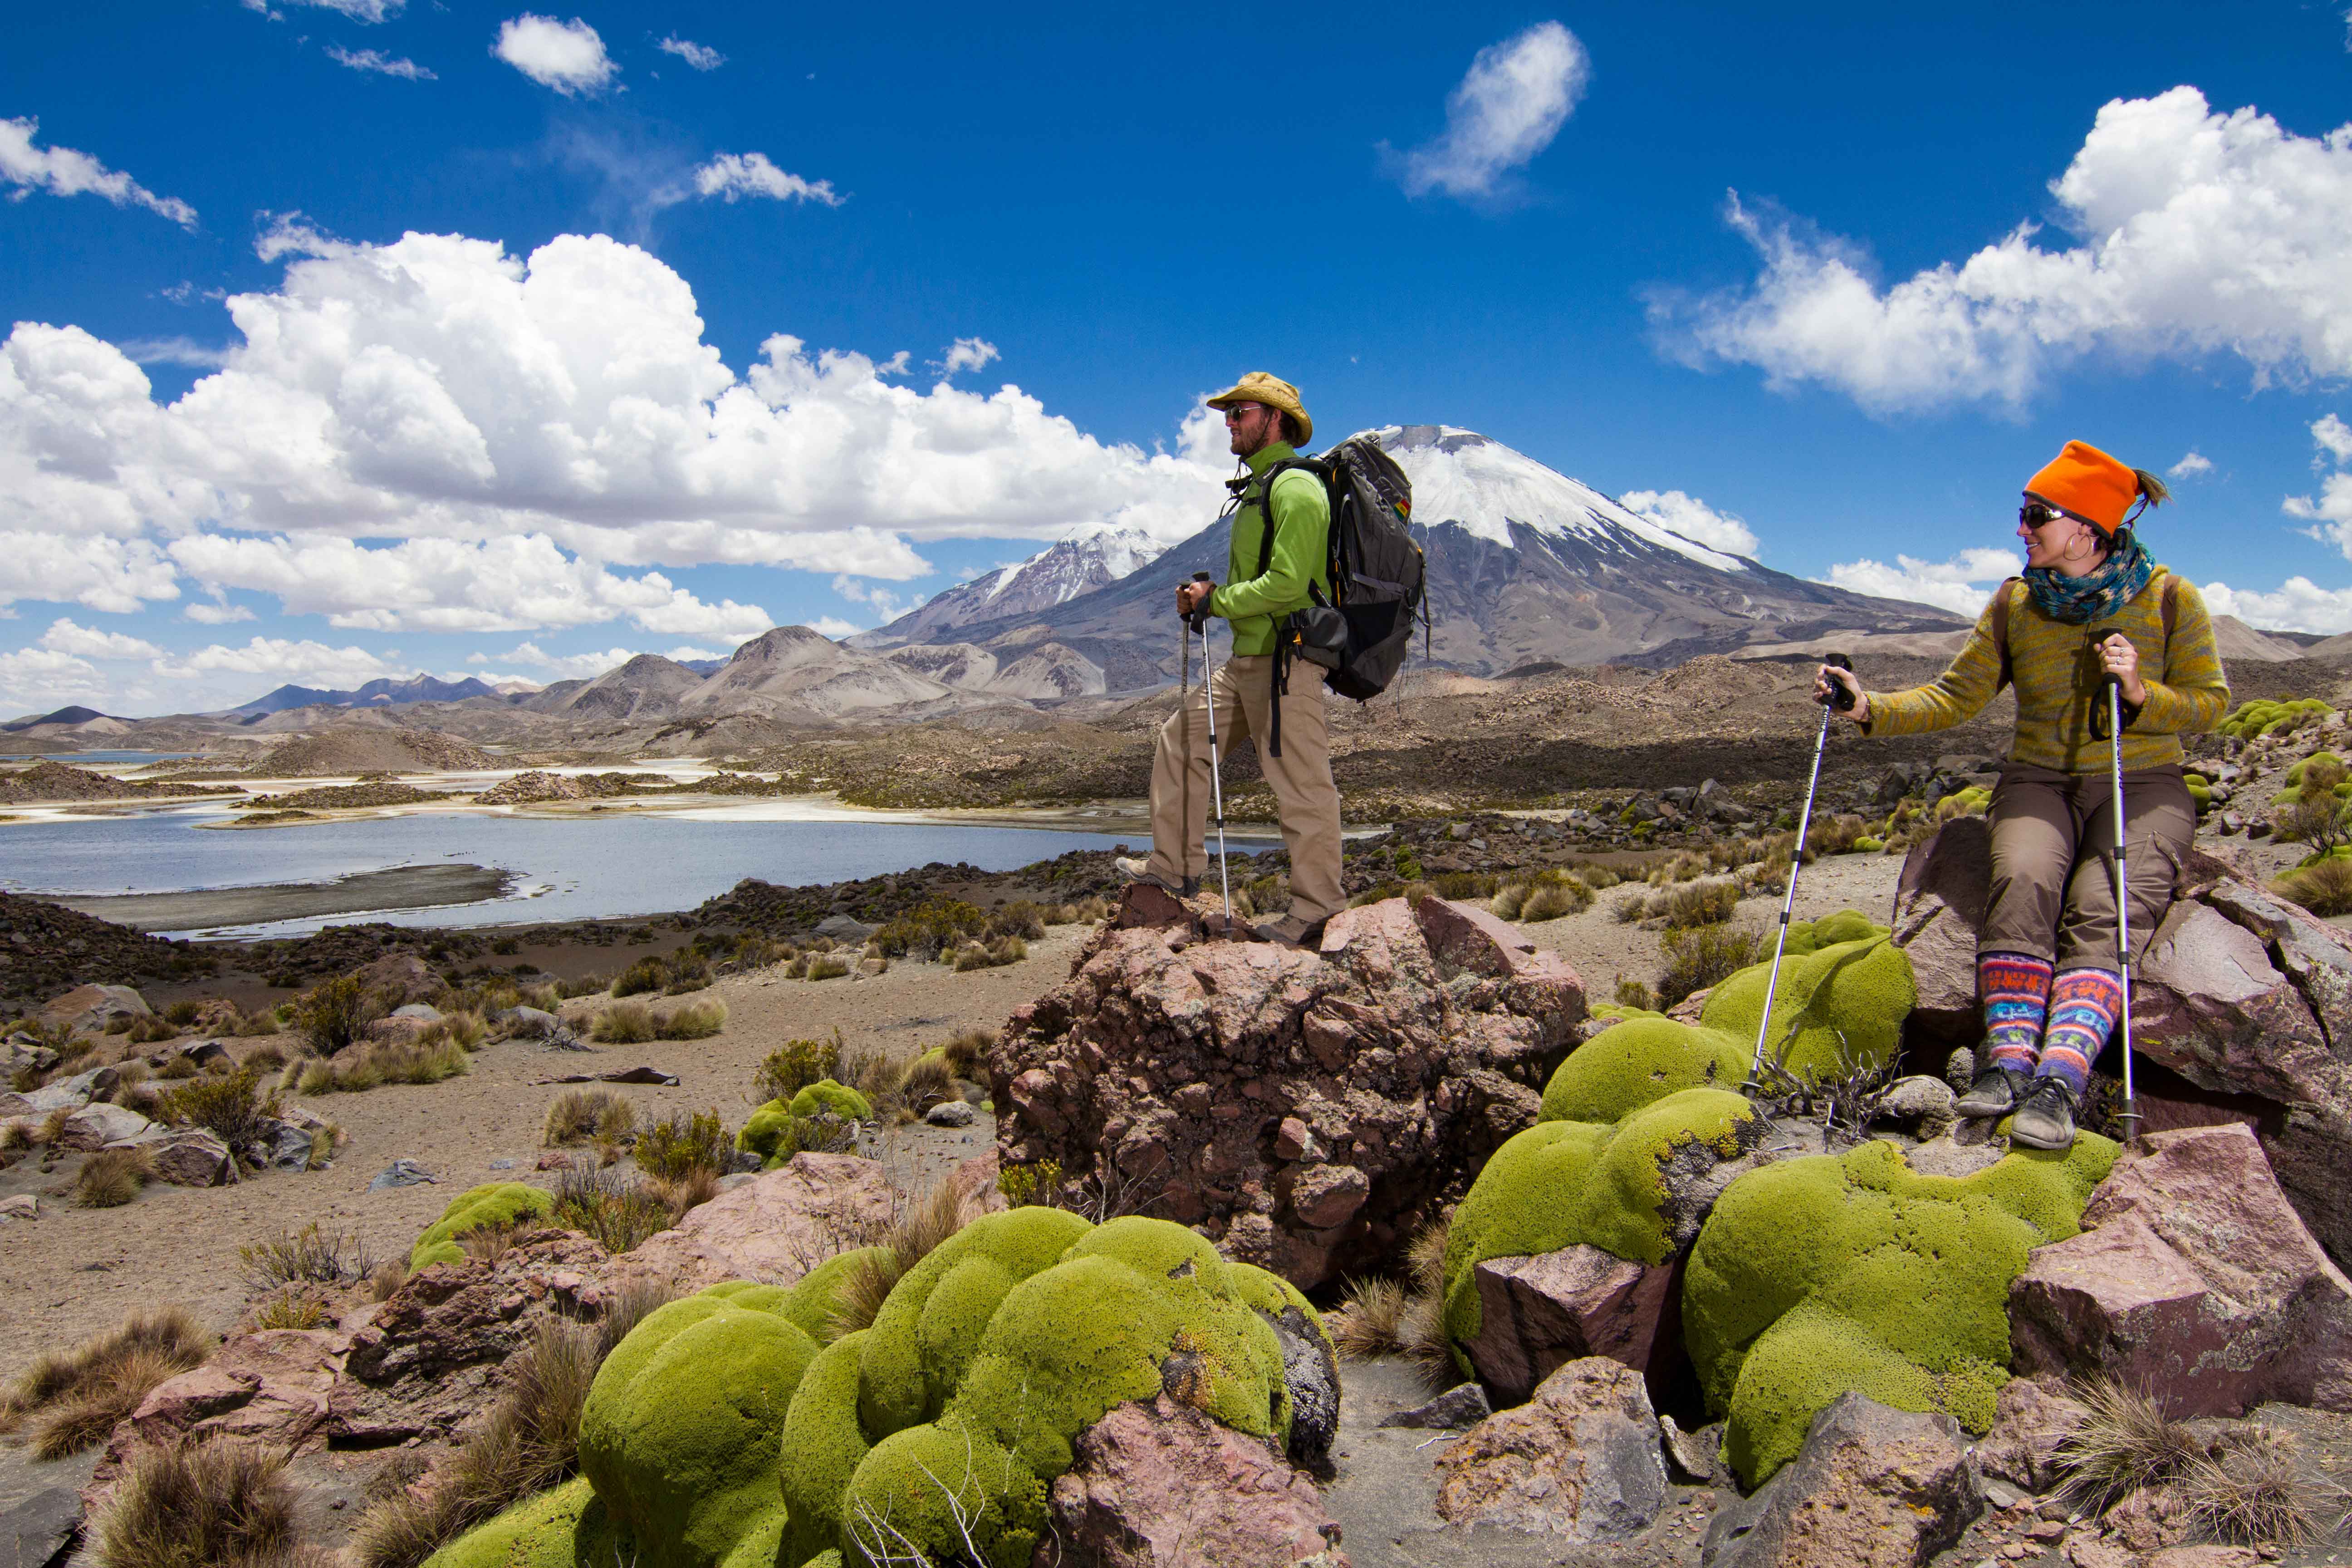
point(2056, 669)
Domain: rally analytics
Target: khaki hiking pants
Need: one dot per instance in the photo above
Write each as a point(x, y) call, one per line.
point(1304, 794)
point(2053, 839)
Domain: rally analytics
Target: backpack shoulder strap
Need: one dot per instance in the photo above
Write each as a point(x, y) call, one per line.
point(1265, 508)
point(2001, 599)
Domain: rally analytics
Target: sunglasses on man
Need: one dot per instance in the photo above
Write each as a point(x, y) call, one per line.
point(1236, 412)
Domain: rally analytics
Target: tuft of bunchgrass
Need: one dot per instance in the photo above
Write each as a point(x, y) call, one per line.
point(370, 1065)
point(578, 1115)
point(695, 1021)
point(112, 1177)
point(622, 1024)
point(203, 1504)
point(1699, 957)
point(2324, 886)
point(615, 1210)
point(914, 1232)
point(73, 1398)
point(1370, 1311)
point(2124, 1443)
point(2251, 1493)
point(306, 1256)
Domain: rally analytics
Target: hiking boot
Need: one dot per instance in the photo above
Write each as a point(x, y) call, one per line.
point(1996, 1091)
point(1136, 868)
point(1289, 931)
point(2046, 1119)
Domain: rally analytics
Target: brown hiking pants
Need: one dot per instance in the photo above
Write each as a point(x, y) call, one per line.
point(2053, 839)
point(1304, 795)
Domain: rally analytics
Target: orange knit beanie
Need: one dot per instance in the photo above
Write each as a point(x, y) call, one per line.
point(2084, 482)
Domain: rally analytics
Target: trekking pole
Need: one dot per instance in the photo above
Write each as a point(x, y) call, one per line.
point(1840, 700)
point(2114, 693)
point(1216, 765)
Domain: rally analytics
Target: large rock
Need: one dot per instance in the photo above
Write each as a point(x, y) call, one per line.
point(1539, 1313)
point(92, 1008)
point(97, 1124)
point(2193, 1279)
point(399, 978)
point(38, 1531)
point(2242, 999)
point(1157, 1485)
point(66, 1094)
point(431, 1355)
point(1305, 1110)
point(187, 1156)
point(272, 1388)
point(771, 1230)
point(1579, 1462)
point(1872, 1488)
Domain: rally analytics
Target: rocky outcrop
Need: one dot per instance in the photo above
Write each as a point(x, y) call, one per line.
point(2244, 1001)
point(2192, 1278)
point(2032, 1421)
point(1303, 1109)
point(187, 1156)
point(97, 1124)
point(91, 1007)
point(773, 1228)
point(1579, 1462)
point(271, 1388)
point(1872, 1488)
point(1159, 1484)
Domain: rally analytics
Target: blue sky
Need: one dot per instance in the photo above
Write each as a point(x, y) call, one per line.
point(1762, 271)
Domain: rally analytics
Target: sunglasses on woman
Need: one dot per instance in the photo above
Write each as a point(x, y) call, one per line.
point(2038, 515)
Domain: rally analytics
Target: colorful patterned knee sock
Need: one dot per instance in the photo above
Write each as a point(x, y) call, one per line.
point(2084, 1006)
point(2016, 989)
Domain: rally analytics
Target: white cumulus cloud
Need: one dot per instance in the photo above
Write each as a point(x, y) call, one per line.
point(376, 60)
point(2334, 437)
point(87, 642)
point(1960, 585)
point(437, 433)
point(568, 57)
point(62, 172)
point(700, 58)
point(1505, 109)
point(734, 177)
point(967, 354)
point(833, 627)
point(2192, 465)
point(361, 11)
point(2199, 232)
point(1694, 520)
point(2299, 604)
point(2330, 516)
point(301, 662)
point(49, 680)
point(216, 613)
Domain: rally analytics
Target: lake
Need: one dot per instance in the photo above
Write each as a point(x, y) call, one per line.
point(568, 867)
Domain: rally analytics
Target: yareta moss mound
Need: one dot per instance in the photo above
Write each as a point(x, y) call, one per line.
point(1819, 1276)
point(718, 1434)
point(1640, 1059)
point(1844, 986)
point(496, 1203)
point(826, 1096)
point(566, 1528)
point(1569, 1184)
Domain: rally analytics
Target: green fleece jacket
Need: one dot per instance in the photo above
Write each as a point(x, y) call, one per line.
point(1302, 553)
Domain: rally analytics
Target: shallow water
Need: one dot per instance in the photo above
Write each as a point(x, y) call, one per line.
point(568, 867)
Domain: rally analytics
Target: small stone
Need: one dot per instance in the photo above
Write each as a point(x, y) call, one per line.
point(24, 1205)
point(950, 1113)
point(1452, 1411)
point(502, 1164)
point(401, 1173)
point(2048, 1530)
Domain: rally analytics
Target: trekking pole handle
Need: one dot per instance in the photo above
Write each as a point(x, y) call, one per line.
point(1841, 696)
point(1199, 618)
point(2104, 706)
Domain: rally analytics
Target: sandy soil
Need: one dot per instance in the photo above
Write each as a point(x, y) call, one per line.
point(76, 1271)
point(362, 892)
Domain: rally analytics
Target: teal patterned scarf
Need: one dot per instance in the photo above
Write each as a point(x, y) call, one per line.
point(2094, 595)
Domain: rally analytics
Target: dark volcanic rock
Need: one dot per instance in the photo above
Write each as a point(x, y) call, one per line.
point(1305, 1110)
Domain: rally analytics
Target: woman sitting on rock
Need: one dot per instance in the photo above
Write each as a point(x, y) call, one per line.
point(2091, 603)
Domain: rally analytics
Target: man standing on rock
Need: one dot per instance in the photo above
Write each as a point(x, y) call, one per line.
point(1270, 577)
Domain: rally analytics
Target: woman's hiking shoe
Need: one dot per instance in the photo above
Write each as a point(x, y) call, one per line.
point(1136, 868)
point(2046, 1119)
point(1996, 1091)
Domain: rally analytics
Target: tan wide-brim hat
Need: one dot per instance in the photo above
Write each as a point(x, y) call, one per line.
point(1258, 386)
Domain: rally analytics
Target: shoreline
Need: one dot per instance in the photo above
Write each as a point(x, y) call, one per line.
point(386, 891)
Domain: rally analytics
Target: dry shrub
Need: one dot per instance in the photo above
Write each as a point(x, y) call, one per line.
point(579, 1114)
point(421, 1060)
point(623, 1023)
point(291, 1308)
point(613, 1209)
point(527, 1442)
point(1698, 957)
point(203, 1504)
point(1708, 902)
point(1366, 1322)
point(686, 1193)
point(993, 955)
point(929, 1079)
point(965, 1047)
point(266, 1057)
point(2324, 886)
point(112, 1177)
point(1685, 865)
point(75, 1397)
point(1020, 918)
point(2124, 1443)
point(882, 1079)
point(1630, 992)
point(336, 1013)
point(386, 1277)
point(695, 1021)
point(681, 1142)
point(1837, 835)
point(2320, 821)
point(305, 1256)
point(2251, 1493)
point(793, 1066)
point(1628, 908)
point(225, 1103)
point(914, 1233)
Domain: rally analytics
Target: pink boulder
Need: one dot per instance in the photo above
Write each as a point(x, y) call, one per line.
point(1160, 1485)
point(1536, 1314)
point(2193, 1279)
point(773, 1228)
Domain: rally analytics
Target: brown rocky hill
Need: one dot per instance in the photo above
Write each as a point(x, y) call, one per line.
point(370, 750)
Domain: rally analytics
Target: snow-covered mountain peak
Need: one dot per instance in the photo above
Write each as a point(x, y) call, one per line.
point(1484, 487)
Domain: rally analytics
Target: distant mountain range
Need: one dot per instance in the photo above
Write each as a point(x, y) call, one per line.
point(381, 693)
point(1060, 572)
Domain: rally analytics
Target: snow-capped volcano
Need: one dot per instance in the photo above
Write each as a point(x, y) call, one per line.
point(1525, 567)
point(1059, 573)
point(1484, 487)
